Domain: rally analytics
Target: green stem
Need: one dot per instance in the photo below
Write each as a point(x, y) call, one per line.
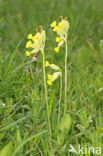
point(66, 54)
point(60, 97)
point(46, 96)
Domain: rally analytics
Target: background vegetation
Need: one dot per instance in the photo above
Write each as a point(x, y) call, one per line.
point(23, 123)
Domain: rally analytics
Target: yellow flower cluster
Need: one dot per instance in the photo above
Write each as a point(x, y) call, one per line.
point(62, 31)
point(36, 42)
point(49, 82)
point(52, 78)
point(47, 63)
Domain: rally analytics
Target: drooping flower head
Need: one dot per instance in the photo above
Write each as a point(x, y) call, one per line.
point(36, 42)
point(55, 75)
point(61, 29)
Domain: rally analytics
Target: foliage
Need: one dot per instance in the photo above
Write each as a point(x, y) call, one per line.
point(23, 123)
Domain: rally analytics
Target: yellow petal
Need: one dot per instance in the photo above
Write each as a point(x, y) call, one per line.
point(35, 37)
point(50, 76)
point(28, 53)
point(53, 24)
point(61, 24)
point(29, 44)
point(47, 63)
point(49, 82)
point(58, 39)
point(56, 49)
point(30, 36)
point(55, 28)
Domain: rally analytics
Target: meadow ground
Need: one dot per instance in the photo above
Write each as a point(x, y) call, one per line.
point(23, 119)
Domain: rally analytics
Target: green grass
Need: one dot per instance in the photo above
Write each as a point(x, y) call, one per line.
point(23, 120)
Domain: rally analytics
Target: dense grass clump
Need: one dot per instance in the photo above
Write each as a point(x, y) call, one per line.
point(23, 119)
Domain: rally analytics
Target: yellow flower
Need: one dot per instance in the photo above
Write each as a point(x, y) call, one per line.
point(56, 28)
point(30, 36)
point(56, 49)
point(38, 41)
point(49, 82)
point(35, 37)
point(61, 24)
point(58, 39)
point(62, 31)
point(29, 44)
point(28, 53)
point(53, 24)
point(47, 63)
point(50, 76)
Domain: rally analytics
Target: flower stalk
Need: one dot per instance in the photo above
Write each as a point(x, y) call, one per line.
point(66, 55)
point(46, 96)
point(60, 98)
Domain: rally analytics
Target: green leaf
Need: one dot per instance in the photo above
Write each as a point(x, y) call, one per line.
point(18, 135)
point(7, 150)
point(51, 100)
point(65, 123)
point(12, 124)
point(60, 138)
point(26, 141)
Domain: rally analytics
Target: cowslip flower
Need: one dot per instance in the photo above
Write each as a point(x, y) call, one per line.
point(55, 75)
point(52, 78)
point(62, 31)
point(56, 49)
point(47, 63)
point(28, 53)
point(58, 39)
point(49, 82)
point(53, 24)
point(36, 42)
point(53, 66)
